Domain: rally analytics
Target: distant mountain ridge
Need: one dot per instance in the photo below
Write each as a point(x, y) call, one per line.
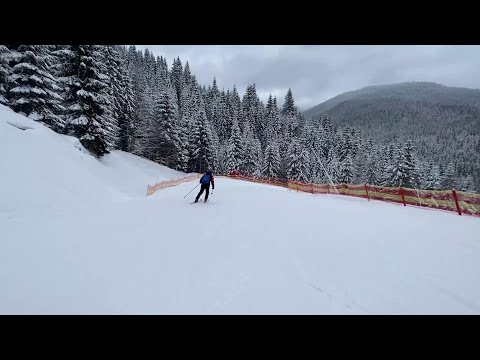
point(415, 91)
point(442, 121)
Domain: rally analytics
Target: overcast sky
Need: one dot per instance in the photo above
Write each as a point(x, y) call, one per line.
point(316, 73)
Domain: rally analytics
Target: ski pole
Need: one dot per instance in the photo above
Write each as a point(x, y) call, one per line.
point(191, 190)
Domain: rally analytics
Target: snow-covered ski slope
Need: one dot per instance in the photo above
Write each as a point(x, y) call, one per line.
point(79, 236)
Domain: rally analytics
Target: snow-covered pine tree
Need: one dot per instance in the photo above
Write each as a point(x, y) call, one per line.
point(202, 154)
point(249, 113)
point(252, 157)
point(183, 155)
point(258, 156)
point(289, 104)
point(333, 167)
point(284, 141)
point(112, 70)
point(346, 174)
point(186, 114)
point(448, 177)
point(432, 177)
point(127, 111)
point(234, 149)
point(467, 184)
point(211, 103)
point(224, 118)
point(271, 164)
point(260, 128)
point(345, 144)
point(61, 54)
point(35, 90)
point(147, 127)
point(5, 72)
point(343, 147)
point(404, 173)
point(422, 168)
point(168, 136)
point(290, 115)
point(387, 163)
point(186, 89)
point(276, 121)
point(309, 140)
point(85, 98)
point(215, 149)
point(297, 162)
point(222, 158)
point(363, 152)
point(326, 136)
point(371, 171)
point(235, 107)
point(269, 119)
point(176, 79)
point(412, 176)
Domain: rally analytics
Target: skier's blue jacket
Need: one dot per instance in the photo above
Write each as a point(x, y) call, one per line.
point(206, 179)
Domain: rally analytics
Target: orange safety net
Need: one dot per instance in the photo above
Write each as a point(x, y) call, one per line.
point(165, 184)
point(450, 200)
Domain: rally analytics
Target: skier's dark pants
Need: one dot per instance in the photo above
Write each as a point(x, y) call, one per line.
point(204, 187)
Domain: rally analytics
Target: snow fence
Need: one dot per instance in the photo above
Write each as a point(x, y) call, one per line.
point(449, 200)
point(168, 183)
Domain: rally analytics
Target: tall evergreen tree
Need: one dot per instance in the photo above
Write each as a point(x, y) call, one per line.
point(235, 149)
point(432, 178)
point(224, 123)
point(346, 170)
point(290, 116)
point(271, 165)
point(211, 102)
point(168, 131)
point(273, 121)
point(252, 156)
point(412, 176)
point(5, 72)
point(249, 110)
point(127, 111)
point(333, 167)
point(448, 176)
point(371, 175)
point(467, 184)
point(187, 81)
point(289, 104)
point(404, 173)
point(112, 69)
point(35, 91)
point(202, 153)
point(387, 164)
point(176, 79)
point(86, 98)
point(297, 162)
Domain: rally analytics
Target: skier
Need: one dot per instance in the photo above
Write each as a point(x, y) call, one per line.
point(206, 179)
